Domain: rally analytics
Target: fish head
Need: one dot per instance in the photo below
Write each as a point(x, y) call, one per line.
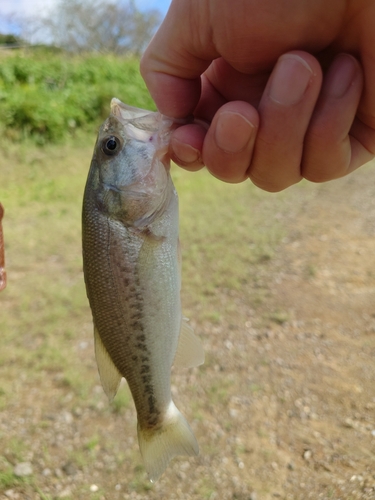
point(131, 164)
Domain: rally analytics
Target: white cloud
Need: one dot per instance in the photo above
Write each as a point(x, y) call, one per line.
point(24, 6)
point(10, 10)
point(37, 6)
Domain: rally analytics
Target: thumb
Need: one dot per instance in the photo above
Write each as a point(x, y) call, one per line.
point(179, 53)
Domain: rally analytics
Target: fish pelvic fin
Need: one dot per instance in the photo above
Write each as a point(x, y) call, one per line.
point(110, 377)
point(159, 446)
point(190, 351)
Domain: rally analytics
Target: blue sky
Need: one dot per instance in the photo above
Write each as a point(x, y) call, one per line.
point(30, 7)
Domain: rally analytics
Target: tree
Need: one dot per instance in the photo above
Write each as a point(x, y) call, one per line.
point(96, 25)
point(10, 40)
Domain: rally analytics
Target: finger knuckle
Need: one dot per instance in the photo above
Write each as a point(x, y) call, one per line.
point(270, 185)
point(323, 172)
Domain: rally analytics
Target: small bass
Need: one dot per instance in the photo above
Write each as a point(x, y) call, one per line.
point(131, 266)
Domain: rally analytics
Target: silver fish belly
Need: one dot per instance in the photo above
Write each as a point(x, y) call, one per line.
point(132, 275)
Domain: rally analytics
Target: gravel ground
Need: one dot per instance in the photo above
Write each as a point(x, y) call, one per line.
point(283, 407)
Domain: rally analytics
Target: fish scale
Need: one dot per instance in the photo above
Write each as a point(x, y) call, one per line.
point(132, 275)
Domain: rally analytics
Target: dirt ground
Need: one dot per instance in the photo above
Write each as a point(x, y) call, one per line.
point(284, 407)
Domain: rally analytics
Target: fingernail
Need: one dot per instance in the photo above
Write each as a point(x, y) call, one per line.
point(185, 153)
point(290, 80)
point(340, 75)
point(233, 132)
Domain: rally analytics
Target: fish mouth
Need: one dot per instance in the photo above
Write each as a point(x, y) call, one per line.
point(146, 126)
point(124, 112)
point(141, 120)
point(139, 124)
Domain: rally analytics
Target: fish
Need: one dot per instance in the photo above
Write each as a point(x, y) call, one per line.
point(3, 275)
point(132, 272)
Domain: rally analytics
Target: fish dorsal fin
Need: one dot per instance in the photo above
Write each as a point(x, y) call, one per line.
point(110, 377)
point(190, 350)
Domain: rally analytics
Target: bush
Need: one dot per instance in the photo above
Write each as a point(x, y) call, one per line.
point(48, 95)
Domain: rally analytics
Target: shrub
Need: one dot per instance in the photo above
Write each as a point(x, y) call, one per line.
point(47, 95)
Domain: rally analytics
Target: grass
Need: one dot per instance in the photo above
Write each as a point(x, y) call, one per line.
point(224, 237)
point(45, 294)
point(279, 317)
point(8, 479)
point(122, 400)
point(228, 233)
point(47, 96)
point(52, 408)
point(53, 411)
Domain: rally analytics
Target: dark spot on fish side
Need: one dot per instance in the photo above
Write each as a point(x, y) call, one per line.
point(142, 347)
point(154, 414)
point(137, 325)
point(148, 388)
point(145, 369)
point(151, 403)
point(153, 421)
point(135, 358)
point(141, 337)
point(137, 315)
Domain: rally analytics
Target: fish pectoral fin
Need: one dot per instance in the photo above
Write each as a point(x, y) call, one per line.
point(189, 350)
point(158, 446)
point(110, 377)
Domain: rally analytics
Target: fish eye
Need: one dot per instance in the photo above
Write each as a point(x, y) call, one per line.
point(111, 145)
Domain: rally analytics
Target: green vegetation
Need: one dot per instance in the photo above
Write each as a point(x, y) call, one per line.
point(45, 321)
point(9, 39)
point(122, 400)
point(242, 403)
point(228, 234)
point(47, 96)
point(47, 367)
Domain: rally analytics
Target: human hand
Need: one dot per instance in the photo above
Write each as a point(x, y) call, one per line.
point(271, 113)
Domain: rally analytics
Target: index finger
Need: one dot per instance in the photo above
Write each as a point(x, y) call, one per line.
point(174, 61)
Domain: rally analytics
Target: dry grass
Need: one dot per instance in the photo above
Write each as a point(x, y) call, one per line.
point(282, 301)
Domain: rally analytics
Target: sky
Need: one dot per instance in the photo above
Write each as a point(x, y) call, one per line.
point(27, 7)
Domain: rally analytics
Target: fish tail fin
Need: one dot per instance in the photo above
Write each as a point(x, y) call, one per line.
point(158, 446)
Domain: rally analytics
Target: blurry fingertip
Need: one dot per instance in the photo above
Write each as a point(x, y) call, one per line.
point(184, 154)
point(290, 80)
point(341, 75)
point(233, 132)
point(205, 125)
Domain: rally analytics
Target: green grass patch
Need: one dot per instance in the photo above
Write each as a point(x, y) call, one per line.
point(46, 96)
point(122, 400)
point(228, 234)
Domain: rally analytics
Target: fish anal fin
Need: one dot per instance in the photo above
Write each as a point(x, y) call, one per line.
point(158, 446)
point(189, 350)
point(110, 377)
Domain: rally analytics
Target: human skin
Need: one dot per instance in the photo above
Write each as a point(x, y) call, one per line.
point(281, 89)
